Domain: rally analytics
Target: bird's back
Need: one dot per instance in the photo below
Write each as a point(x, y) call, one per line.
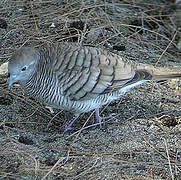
point(85, 72)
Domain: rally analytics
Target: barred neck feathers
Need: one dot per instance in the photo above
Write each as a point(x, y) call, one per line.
point(43, 84)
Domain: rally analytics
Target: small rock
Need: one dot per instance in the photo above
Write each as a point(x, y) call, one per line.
point(3, 24)
point(4, 68)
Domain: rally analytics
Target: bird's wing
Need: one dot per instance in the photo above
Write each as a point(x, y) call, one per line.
point(87, 72)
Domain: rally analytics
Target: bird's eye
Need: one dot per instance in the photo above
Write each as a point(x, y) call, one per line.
point(23, 69)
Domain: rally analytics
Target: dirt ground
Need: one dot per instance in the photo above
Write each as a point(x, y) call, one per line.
point(141, 139)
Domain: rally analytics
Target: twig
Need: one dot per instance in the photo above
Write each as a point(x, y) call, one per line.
point(170, 167)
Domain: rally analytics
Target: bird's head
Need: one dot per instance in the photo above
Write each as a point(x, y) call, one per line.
point(22, 65)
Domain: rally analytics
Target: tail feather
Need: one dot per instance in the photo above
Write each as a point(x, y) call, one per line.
point(160, 73)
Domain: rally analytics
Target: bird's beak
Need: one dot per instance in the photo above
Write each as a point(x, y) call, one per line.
point(12, 80)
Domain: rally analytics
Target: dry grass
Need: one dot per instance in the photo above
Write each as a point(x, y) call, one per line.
point(142, 140)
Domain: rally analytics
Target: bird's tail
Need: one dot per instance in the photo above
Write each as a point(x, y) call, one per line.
point(160, 73)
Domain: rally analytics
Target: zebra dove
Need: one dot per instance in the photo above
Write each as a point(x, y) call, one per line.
point(79, 78)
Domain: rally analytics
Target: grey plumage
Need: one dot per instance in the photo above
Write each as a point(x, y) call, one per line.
point(79, 78)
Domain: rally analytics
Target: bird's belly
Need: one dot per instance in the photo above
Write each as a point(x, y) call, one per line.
point(101, 100)
point(86, 105)
point(78, 106)
point(65, 103)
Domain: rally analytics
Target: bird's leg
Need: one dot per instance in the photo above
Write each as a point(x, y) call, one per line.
point(98, 117)
point(69, 124)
